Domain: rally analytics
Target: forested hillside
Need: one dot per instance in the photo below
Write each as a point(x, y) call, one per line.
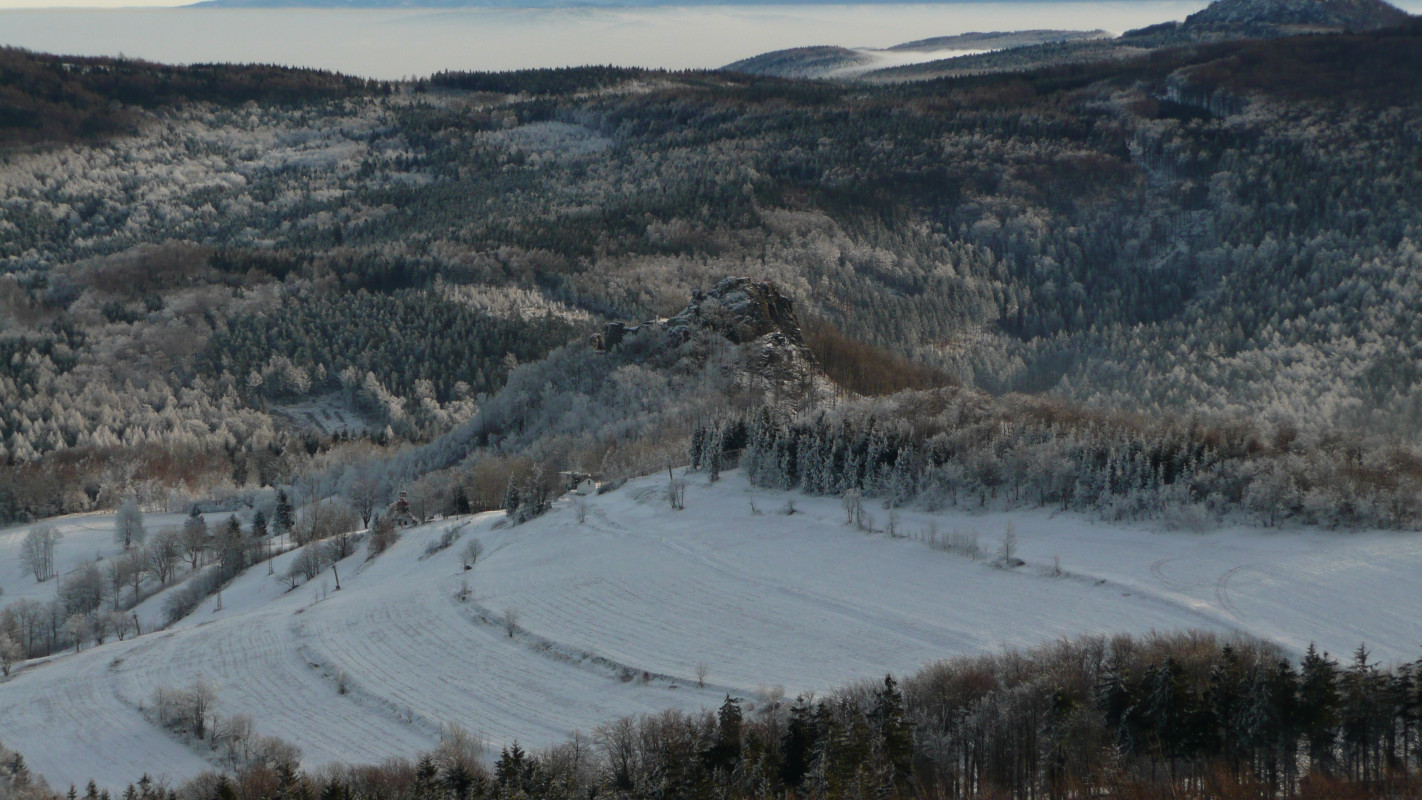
point(1178, 291)
point(1221, 230)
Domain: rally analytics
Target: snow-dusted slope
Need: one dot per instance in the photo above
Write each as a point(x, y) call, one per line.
point(615, 613)
point(83, 537)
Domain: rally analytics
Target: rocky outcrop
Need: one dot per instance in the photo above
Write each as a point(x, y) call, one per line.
point(741, 310)
point(753, 318)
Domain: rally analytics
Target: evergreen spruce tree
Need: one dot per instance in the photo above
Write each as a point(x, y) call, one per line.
point(426, 779)
point(284, 519)
point(726, 752)
point(1318, 696)
point(1360, 717)
point(798, 745)
point(511, 498)
point(698, 445)
point(714, 453)
point(895, 736)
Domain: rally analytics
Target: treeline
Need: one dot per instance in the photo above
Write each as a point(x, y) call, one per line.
point(45, 98)
point(559, 81)
point(1166, 716)
point(959, 448)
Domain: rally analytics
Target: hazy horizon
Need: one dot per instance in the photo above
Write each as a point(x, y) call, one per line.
point(396, 43)
point(399, 43)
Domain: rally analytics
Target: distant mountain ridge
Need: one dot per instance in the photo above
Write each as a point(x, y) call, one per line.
point(448, 4)
point(1345, 14)
point(978, 53)
point(1268, 19)
point(827, 61)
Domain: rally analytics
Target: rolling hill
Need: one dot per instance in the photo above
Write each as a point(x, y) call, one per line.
point(618, 614)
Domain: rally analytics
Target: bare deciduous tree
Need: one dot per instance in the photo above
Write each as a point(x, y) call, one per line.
point(164, 553)
point(37, 551)
point(194, 544)
point(471, 552)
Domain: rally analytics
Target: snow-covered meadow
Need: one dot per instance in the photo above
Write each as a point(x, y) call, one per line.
point(620, 605)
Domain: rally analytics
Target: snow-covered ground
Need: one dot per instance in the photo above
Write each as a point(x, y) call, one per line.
point(83, 537)
point(615, 613)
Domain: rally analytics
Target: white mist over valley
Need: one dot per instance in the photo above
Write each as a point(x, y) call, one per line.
point(398, 43)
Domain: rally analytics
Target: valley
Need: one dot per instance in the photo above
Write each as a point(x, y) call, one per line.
point(615, 614)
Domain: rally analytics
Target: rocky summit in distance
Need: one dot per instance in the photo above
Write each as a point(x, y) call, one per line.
point(1355, 15)
point(1235, 19)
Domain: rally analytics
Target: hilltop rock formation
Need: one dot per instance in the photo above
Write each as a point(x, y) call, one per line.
point(740, 310)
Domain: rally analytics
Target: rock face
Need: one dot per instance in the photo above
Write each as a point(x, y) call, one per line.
point(741, 310)
point(756, 320)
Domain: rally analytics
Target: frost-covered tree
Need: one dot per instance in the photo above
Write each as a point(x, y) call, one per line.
point(37, 551)
point(194, 541)
point(83, 590)
point(128, 525)
point(10, 652)
point(164, 553)
point(284, 518)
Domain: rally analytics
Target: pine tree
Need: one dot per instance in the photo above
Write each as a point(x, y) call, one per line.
point(1318, 695)
point(511, 498)
point(895, 735)
point(698, 445)
point(513, 769)
point(1360, 717)
point(726, 752)
point(714, 453)
point(259, 524)
point(426, 777)
point(798, 744)
point(284, 519)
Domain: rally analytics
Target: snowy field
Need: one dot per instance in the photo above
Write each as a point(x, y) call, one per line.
point(615, 615)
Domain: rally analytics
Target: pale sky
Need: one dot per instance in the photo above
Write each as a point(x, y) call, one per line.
point(397, 43)
point(12, 4)
point(1411, 6)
